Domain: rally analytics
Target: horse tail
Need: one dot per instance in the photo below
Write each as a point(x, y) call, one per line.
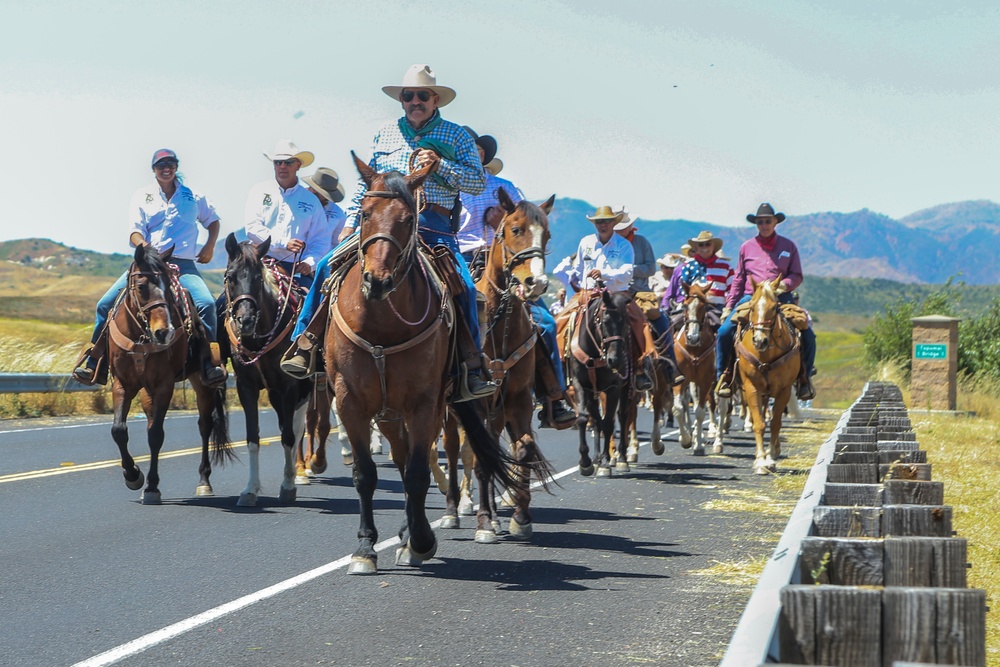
point(222, 446)
point(535, 461)
point(493, 460)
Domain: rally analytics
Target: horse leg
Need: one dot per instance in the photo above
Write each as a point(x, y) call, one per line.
point(783, 398)
point(518, 411)
point(632, 455)
point(376, 443)
point(465, 506)
point(356, 426)
point(682, 416)
point(421, 545)
point(291, 433)
point(123, 397)
point(699, 416)
point(657, 395)
point(586, 399)
point(450, 440)
point(321, 430)
point(626, 420)
point(722, 415)
point(756, 407)
point(248, 399)
point(302, 450)
point(206, 404)
point(156, 410)
point(606, 424)
point(345, 443)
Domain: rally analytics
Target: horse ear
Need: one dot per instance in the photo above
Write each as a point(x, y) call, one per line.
point(263, 248)
point(686, 286)
point(168, 254)
point(606, 297)
point(140, 254)
point(779, 287)
point(505, 201)
point(232, 245)
point(415, 179)
point(367, 173)
point(547, 206)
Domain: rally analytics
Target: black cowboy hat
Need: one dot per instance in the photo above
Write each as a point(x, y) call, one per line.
point(486, 142)
point(762, 211)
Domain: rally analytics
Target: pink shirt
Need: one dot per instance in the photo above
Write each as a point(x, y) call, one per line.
point(762, 265)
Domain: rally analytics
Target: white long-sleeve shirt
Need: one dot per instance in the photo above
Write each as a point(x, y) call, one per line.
point(173, 222)
point(614, 259)
point(285, 215)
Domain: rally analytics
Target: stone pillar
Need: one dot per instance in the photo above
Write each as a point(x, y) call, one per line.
point(935, 362)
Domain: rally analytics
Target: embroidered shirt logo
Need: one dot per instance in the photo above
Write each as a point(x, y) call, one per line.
point(267, 200)
point(784, 253)
point(305, 206)
point(149, 198)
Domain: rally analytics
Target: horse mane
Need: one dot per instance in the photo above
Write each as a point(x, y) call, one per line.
point(247, 257)
point(153, 260)
point(395, 182)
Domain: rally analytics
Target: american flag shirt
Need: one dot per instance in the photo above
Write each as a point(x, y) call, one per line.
point(716, 273)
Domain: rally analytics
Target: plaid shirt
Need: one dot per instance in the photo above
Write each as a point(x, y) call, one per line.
point(391, 151)
point(474, 232)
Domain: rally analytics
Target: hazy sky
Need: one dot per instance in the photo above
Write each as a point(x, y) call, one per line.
point(696, 110)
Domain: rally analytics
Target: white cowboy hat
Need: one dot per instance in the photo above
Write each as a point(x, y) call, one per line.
point(494, 166)
point(670, 260)
point(421, 76)
point(286, 150)
point(626, 221)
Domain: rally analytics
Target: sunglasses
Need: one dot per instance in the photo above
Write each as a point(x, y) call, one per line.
point(765, 221)
point(288, 163)
point(165, 164)
point(703, 245)
point(422, 95)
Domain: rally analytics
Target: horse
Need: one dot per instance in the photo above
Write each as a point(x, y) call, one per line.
point(310, 450)
point(601, 362)
point(389, 349)
point(694, 346)
point(514, 273)
point(259, 315)
point(768, 356)
point(148, 351)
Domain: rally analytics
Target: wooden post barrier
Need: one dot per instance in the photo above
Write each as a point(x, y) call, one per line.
point(878, 578)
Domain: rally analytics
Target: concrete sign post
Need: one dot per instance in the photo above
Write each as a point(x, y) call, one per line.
point(933, 382)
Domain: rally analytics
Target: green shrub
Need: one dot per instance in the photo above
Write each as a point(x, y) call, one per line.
point(890, 336)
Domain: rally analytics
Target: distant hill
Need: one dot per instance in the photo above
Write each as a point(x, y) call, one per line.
point(57, 258)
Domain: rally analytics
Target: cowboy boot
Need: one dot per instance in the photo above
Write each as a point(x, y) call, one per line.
point(95, 370)
point(471, 385)
point(644, 374)
point(301, 360)
point(804, 389)
point(213, 373)
point(724, 387)
point(556, 413)
point(665, 351)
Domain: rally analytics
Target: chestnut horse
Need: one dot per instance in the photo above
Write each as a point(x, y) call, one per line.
point(258, 316)
point(310, 450)
point(695, 350)
point(389, 350)
point(768, 353)
point(514, 273)
point(150, 332)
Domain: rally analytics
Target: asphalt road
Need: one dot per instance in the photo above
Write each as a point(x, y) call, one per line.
point(611, 576)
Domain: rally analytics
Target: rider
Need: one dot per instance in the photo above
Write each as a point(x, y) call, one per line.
point(609, 258)
point(708, 266)
point(764, 257)
point(326, 185)
point(164, 214)
point(423, 134)
point(480, 215)
point(672, 300)
point(644, 267)
point(283, 210)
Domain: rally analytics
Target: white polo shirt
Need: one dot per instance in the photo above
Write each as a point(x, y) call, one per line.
point(286, 215)
point(170, 222)
point(614, 259)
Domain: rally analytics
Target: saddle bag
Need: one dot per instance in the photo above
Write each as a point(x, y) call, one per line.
point(445, 263)
point(648, 304)
point(798, 317)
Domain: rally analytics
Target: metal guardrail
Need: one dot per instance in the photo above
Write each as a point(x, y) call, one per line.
point(44, 383)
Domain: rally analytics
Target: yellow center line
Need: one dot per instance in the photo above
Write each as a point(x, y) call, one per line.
point(112, 463)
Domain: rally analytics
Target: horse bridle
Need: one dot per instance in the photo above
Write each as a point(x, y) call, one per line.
point(605, 342)
point(140, 311)
point(244, 355)
point(405, 259)
point(515, 258)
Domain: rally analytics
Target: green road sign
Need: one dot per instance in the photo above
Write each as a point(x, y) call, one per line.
point(930, 351)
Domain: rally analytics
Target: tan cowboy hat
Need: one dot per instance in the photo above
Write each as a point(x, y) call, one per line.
point(286, 150)
point(670, 260)
point(764, 210)
point(705, 237)
point(686, 250)
point(494, 166)
point(421, 76)
point(605, 213)
point(326, 182)
point(625, 222)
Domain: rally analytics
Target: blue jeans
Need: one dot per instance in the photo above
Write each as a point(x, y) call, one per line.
point(434, 230)
point(547, 324)
point(190, 280)
point(725, 343)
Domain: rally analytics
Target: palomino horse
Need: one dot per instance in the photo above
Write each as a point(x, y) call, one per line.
point(515, 272)
point(768, 354)
point(601, 363)
point(695, 350)
point(259, 316)
point(148, 350)
point(389, 350)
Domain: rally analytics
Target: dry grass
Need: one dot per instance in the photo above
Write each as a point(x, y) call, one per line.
point(740, 574)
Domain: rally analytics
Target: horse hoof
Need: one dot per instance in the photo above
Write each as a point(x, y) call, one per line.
point(247, 500)
point(633, 455)
point(450, 522)
point(686, 444)
point(316, 468)
point(520, 531)
point(287, 496)
point(360, 565)
point(302, 480)
point(465, 507)
point(348, 461)
point(587, 471)
point(405, 555)
point(150, 497)
point(486, 537)
point(657, 447)
point(136, 483)
point(698, 451)
point(604, 471)
point(204, 490)
point(717, 448)
point(622, 466)
point(376, 448)
point(497, 528)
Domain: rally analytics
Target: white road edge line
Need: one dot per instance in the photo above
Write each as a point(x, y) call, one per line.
point(150, 640)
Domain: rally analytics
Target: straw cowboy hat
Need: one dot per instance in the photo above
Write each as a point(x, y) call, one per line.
point(605, 213)
point(670, 260)
point(705, 237)
point(327, 183)
point(625, 222)
point(686, 250)
point(486, 142)
point(421, 76)
point(286, 150)
point(494, 166)
point(762, 211)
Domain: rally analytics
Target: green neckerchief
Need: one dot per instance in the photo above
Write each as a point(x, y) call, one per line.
point(442, 148)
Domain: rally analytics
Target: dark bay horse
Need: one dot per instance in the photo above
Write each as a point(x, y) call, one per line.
point(767, 350)
point(600, 363)
point(258, 315)
point(148, 351)
point(695, 350)
point(389, 351)
point(514, 273)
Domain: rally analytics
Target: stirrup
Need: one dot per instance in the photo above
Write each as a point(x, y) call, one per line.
point(804, 389)
point(89, 375)
point(299, 360)
point(479, 388)
point(724, 387)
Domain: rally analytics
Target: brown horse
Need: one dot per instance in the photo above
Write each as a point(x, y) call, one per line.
point(150, 332)
point(695, 350)
point(514, 273)
point(310, 450)
point(768, 353)
point(389, 351)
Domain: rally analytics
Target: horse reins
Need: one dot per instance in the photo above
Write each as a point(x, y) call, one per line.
point(271, 339)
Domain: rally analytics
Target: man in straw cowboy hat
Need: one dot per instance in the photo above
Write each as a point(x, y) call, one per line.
point(708, 266)
point(282, 210)
point(764, 257)
point(423, 135)
point(326, 185)
point(643, 268)
point(605, 259)
point(660, 281)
